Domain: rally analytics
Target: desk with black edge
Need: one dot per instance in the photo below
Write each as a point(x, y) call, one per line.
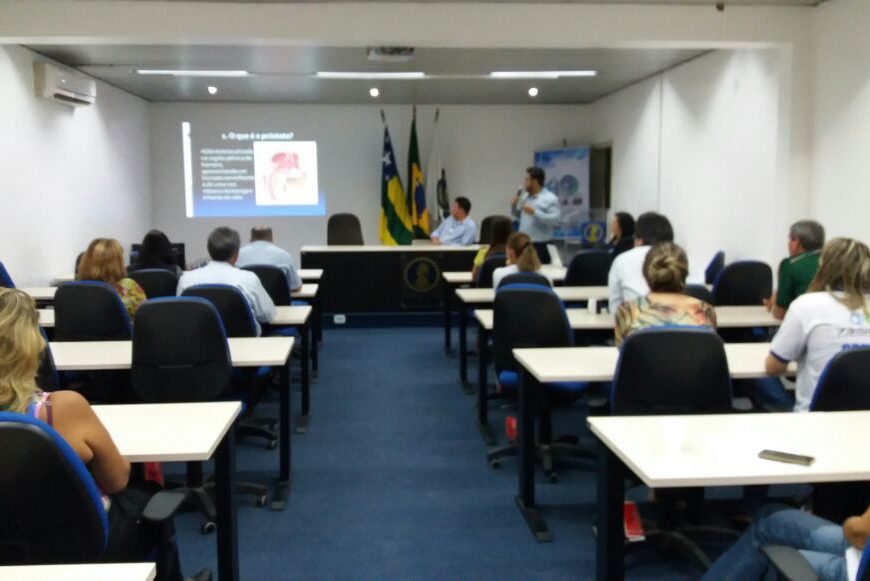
point(385, 279)
point(244, 352)
point(562, 364)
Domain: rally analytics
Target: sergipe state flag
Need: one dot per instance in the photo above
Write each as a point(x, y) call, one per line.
point(396, 227)
point(417, 187)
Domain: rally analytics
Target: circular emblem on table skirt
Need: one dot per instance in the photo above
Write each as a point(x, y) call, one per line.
point(593, 232)
point(421, 274)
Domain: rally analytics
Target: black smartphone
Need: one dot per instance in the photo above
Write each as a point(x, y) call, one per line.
point(777, 456)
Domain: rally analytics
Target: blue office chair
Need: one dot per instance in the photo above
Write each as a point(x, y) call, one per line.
point(531, 315)
point(717, 263)
point(5, 279)
point(274, 280)
point(844, 385)
point(51, 509)
point(525, 278)
point(180, 354)
point(484, 275)
point(790, 564)
point(589, 268)
point(156, 282)
point(47, 377)
point(344, 229)
point(700, 292)
point(747, 282)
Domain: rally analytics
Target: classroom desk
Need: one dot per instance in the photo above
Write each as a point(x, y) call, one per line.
point(745, 360)
point(181, 432)
point(311, 292)
point(385, 279)
point(83, 572)
point(716, 450)
point(40, 293)
point(244, 352)
point(310, 274)
point(300, 316)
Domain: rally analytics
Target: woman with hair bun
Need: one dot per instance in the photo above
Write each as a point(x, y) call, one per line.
point(665, 269)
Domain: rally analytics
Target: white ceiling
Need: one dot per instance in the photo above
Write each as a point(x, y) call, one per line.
point(283, 74)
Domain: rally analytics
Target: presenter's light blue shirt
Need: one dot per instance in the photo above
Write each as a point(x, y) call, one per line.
point(263, 252)
point(216, 272)
point(540, 225)
point(455, 233)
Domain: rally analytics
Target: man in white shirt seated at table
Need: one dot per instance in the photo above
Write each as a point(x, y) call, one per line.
point(223, 247)
point(458, 229)
point(262, 250)
point(626, 281)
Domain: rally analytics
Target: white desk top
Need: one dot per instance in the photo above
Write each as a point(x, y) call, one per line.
point(295, 315)
point(310, 273)
point(168, 432)
point(457, 277)
point(722, 450)
point(745, 360)
point(89, 572)
point(59, 280)
point(377, 248)
point(40, 293)
point(104, 355)
point(308, 291)
point(566, 293)
point(582, 319)
point(556, 273)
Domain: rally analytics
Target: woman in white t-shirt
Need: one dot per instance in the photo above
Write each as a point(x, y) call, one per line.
point(833, 315)
point(521, 257)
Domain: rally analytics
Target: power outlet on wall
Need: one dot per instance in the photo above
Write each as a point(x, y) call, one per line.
point(339, 319)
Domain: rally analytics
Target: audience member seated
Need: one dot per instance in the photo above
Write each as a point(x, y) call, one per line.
point(69, 413)
point(223, 248)
point(497, 244)
point(458, 229)
point(622, 233)
point(156, 252)
point(104, 261)
point(262, 250)
point(521, 257)
point(821, 542)
point(626, 279)
point(805, 241)
point(832, 315)
point(665, 269)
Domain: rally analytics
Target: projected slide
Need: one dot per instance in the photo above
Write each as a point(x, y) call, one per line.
point(232, 173)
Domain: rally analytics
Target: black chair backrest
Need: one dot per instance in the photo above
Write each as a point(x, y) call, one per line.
point(484, 275)
point(845, 383)
point(525, 278)
point(717, 263)
point(50, 508)
point(47, 377)
point(90, 311)
point(485, 233)
point(231, 304)
point(156, 282)
point(5, 279)
point(747, 282)
point(344, 229)
point(543, 252)
point(180, 351)
point(274, 280)
point(667, 370)
point(700, 292)
point(589, 268)
point(527, 315)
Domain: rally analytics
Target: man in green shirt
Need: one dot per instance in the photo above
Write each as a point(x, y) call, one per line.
point(805, 241)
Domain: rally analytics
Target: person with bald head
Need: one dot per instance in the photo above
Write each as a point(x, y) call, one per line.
point(262, 250)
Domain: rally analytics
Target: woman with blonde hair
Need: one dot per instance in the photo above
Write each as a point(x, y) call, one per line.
point(833, 315)
point(104, 261)
point(665, 269)
point(521, 257)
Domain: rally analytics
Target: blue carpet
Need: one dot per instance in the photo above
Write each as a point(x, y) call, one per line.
point(391, 482)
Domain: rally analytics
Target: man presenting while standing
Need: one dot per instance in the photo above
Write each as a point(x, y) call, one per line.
point(536, 207)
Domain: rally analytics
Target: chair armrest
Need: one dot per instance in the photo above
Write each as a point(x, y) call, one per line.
point(789, 563)
point(164, 505)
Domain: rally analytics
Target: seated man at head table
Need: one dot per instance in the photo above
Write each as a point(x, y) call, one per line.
point(262, 250)
point(458, 229)
point(805, 241)
point(625, 280)
point(223, 248)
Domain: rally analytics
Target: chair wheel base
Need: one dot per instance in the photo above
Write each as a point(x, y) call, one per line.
point(208, 527)
point(495, 463)
point(262, 500)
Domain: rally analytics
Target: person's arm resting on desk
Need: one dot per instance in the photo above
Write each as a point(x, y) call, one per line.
point(436, 235)
point(788, 343)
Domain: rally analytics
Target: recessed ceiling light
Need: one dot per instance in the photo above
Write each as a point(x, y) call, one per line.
point(212, 90)
point(533, 92)
point(374, 92)
point(364, 75)
point(540, 74)
point(192, 73)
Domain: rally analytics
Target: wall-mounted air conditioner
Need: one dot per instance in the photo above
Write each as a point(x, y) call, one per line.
point(63, 85)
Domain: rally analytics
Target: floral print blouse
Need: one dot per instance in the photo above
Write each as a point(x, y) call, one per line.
point(642, 312)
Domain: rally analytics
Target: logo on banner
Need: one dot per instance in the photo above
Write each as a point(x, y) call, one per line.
point(421, 274)
point(593, 231)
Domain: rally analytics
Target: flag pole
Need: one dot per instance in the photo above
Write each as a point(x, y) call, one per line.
point(383, 117)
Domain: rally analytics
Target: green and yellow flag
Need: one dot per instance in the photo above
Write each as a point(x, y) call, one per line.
point(396, 227)
point(417, 187)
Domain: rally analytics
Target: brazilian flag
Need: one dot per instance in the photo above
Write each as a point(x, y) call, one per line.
point(396, 226)
point(416, 186)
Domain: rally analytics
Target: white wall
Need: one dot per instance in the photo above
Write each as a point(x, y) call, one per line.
point(700, 143)
point(485, 151)
point(68, 176)
point(841, 118)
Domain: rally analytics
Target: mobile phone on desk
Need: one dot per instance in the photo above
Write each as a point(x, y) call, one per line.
point(778, 456)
